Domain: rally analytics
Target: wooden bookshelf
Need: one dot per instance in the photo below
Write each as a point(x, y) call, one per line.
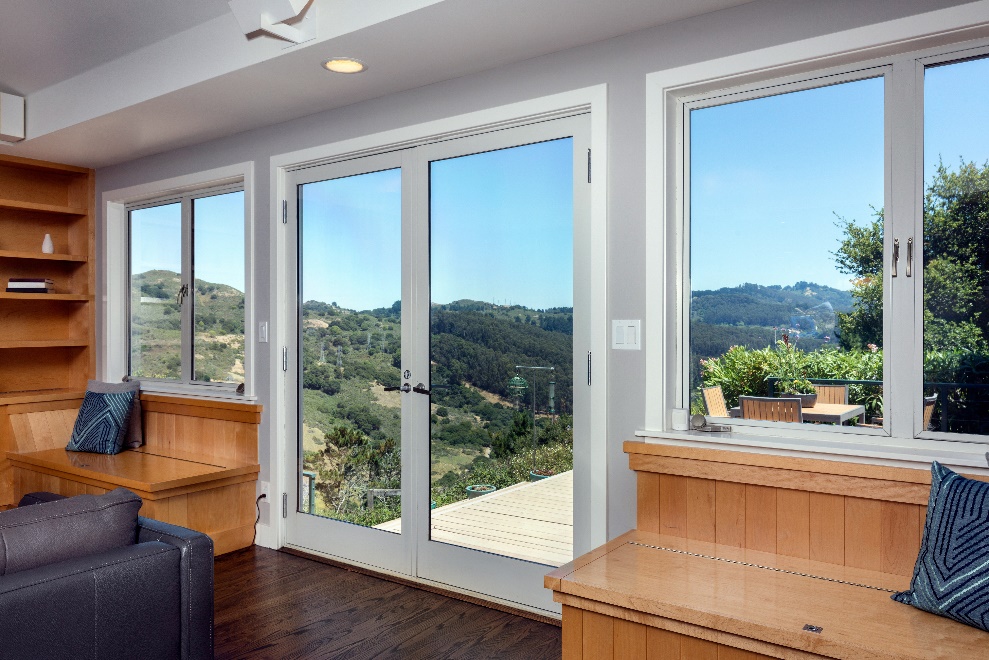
point(47, 340)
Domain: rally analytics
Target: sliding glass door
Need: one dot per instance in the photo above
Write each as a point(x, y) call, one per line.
point(438, 324)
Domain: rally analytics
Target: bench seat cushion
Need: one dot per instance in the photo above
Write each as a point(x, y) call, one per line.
point(51, 532)
point(951, 577)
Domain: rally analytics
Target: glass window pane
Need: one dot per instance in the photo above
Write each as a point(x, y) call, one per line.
point(218, 262)
point(501, 351)
point(351, 282)
point(155, 276)
point(956, 252)
point(786, 227)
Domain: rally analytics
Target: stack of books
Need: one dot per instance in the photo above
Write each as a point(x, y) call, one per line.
point(30, 285)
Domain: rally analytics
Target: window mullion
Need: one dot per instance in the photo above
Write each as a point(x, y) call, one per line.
point(903, 358)
point(187, 279)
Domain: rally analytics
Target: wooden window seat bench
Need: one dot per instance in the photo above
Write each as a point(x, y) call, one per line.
point(197, 468)
point(735, 553)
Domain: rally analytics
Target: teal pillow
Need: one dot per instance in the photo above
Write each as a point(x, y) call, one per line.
point(951, 577)
point(102, 422)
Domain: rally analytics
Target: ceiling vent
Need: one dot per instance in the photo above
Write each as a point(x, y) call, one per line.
point(269, 16)
point(11, 117)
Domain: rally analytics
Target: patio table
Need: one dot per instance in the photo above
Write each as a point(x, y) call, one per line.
point(835, 413)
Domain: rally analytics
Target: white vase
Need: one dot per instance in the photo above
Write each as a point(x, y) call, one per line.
point(47, 246)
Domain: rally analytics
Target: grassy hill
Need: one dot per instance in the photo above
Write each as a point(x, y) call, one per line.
point(157, 327)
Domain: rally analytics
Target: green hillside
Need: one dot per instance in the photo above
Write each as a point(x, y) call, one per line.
point(156, 322)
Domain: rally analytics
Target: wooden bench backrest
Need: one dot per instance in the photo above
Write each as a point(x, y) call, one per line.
point(852, 514)
point(212, 430)
point(832, 394)
point(770, 408)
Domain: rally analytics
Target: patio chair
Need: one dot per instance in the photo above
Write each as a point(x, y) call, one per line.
point(771, 408)
point(832, 393)
point(929, 403)
point(714, 401)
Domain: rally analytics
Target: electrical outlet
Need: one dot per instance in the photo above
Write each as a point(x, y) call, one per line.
point(265, 489)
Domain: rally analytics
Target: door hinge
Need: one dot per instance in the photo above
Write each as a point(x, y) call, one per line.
point(284, 358)
point(284, 211)
point(284, 505)
point(588, 166)
point(588, 367)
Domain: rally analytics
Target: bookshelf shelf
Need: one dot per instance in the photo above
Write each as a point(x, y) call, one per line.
point(40, 256)
point(50, 297)
point(42, 343)
point(54, 209)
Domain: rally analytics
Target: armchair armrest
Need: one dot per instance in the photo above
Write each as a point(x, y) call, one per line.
point(196, 570)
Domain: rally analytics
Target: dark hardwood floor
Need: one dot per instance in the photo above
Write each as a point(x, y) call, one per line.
point(272, 604)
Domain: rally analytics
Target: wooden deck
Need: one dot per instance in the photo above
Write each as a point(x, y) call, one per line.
point(531, 521)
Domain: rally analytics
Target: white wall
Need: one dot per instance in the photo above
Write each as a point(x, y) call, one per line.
point(622, 64)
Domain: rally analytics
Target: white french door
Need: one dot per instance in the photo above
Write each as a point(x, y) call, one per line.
point(441, 338)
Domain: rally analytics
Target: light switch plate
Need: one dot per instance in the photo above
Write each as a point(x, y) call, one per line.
point(626, 335)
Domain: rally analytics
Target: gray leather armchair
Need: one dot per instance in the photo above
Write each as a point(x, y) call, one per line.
point(151, 599)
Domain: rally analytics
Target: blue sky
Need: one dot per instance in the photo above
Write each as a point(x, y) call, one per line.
point(769, 175)
point(500, 230)
point(156, 239)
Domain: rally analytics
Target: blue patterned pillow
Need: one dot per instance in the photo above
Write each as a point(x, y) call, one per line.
point(951, 577)
point(102, 422)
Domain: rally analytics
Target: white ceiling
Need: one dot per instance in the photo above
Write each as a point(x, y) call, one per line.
point(129, 78)
point(43, 42)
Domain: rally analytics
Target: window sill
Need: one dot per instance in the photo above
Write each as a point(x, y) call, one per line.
point(895, 452)
point(203, 391)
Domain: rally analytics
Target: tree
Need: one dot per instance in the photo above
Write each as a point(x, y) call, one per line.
point(955, 263)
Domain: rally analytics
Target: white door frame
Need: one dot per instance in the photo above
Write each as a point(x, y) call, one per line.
point(591, 469)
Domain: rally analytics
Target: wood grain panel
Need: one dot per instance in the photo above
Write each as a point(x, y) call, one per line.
point(900, 538)
point(672, 505)
point(647, 499)
point(760, 518)
point(599, 636)
point(701, 513)
point(893, 491)
point(863, 533)
point(730, 513)
point(630, 640)
point(731, 653)
point(662, 644)
point(692, 648)
point(827, 528)
point(793, 523)
point(573, 633)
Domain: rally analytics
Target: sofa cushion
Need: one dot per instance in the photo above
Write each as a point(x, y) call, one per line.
point(951, 577)
point(135, 432)
point(102, 422)
point(51, 532)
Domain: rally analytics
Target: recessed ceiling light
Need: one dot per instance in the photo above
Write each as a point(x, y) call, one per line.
point(344, 65)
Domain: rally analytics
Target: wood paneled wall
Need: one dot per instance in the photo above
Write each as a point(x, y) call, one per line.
point(849, 514)
point(593, 636)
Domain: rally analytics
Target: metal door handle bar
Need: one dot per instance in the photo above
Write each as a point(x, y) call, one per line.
point(404, 388)
point(421, 389)
point(909, 256)
point(896, 254)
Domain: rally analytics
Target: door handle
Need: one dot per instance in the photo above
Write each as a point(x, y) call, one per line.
point(896, 255)
point(421, 389)
point(909, 256)
point(404, 388)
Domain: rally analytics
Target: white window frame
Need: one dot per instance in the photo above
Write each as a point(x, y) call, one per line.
point(902, 48)
point(114, 362)
point(592, 464)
